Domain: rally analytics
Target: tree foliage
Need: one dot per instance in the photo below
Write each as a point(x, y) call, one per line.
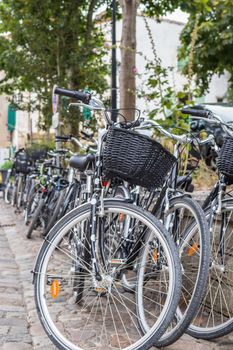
point(50, 42)
point(214, 42)
point(159, 8)
point(58, 42)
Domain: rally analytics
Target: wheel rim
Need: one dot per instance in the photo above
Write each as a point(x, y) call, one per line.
point(113, 332)
point(215, 313)
point(187, 233)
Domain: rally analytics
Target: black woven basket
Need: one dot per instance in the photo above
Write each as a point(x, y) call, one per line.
point(225, 160)
point(136, 158)
point(22, 163)
point(37, 154)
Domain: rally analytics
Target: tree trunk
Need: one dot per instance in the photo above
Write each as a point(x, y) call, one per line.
point(128, 58)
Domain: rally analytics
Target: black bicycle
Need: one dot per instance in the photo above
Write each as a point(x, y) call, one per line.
point(79, 291)
point(215, 314)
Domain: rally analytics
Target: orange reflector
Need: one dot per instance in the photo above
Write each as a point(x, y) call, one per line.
point(155, 255)
point(122, 217)
point(117, 261)
point(55, 289)
point(193, 249)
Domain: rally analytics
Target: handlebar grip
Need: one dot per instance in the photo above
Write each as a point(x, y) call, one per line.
point(195, 112)
point(62, 138)
point(79, 95)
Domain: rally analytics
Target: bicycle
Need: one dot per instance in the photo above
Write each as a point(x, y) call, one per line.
point(99, 254)
point(76, 177)
point(44, 195)
point(15, 180)
point(185, 221)
point(215, 317)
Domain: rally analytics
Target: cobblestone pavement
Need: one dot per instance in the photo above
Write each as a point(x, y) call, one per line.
point(20, 328)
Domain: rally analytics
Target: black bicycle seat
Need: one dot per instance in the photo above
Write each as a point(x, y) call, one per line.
point(81, 162)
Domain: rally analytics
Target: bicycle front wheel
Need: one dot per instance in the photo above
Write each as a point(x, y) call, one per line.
point(35, 217)
point(106, 316)
point(53, 209)
point(8, 191)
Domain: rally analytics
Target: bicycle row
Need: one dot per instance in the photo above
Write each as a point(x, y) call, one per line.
point(128, 256)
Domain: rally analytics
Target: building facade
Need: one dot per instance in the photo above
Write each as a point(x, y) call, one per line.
point(17, 127)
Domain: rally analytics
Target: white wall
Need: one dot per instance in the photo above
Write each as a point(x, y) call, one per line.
point(217, 88)
point(4, 154)
point(25, 122)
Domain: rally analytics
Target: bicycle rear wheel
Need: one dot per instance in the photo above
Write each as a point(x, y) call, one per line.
point(186, 222)
point(106, 316)
point(215, 314)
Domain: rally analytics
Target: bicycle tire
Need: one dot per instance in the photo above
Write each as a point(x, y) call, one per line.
point(220, 304)
point(14, 192)
point(8, 191)
point(50, 244)
point(71, 198)
point(28, 205)
point(56, 210)
point(35, 218)
point(184, 318)
point(19, 192)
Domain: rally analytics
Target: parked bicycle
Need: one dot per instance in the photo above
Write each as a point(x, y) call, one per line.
point(215, 314)
point(120, 232)
point(87, 252)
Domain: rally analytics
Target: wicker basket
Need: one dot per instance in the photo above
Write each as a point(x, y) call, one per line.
point(37, 154)
point(136, 158)
point(22, 163)
point(225, 159)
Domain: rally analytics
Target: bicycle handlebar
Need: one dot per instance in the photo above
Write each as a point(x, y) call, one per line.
point(78, 95)
point(79, 144)
point(196, 112)
point(181, 138)
point(62, 138)
point(209, 117)
point(75, 141)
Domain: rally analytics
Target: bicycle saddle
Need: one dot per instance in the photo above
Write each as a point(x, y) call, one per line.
point(81, 162)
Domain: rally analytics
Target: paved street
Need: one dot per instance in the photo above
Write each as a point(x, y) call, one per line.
point(19, 326)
